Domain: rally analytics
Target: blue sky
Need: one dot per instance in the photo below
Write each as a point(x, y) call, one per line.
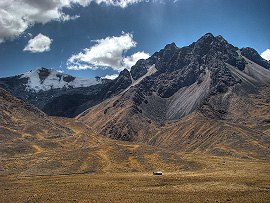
point(89, 38)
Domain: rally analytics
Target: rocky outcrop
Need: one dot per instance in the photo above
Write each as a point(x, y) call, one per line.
point(253, 55)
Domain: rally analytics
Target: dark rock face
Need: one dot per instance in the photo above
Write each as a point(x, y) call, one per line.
point(139, 69)
point(117, 85)
point(253, 55)
point(14, 85)
point(180, 67)
point(43, 74)
point(68, 78)
point(71, 102)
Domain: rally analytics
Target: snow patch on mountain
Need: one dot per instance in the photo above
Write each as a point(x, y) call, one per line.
point(42, 79)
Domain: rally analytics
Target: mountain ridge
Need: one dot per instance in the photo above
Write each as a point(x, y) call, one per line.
point(176, 67)
point(200, 82)
point(46, 79)
point(47, 89)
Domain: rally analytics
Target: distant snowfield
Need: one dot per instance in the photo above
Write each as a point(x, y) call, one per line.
point(55, 80)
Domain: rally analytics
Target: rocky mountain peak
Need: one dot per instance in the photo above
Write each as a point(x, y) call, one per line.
point(163, 56)
point(214, 46)
point(210, 65)
point(180, 67)
point(171, 46)
point(208, 38)
point(221, 39)
point(124, 73)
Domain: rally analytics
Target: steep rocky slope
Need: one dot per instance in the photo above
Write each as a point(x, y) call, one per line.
point(207, 97)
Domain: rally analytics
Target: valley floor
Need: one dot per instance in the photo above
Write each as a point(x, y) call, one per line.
point(220, 180)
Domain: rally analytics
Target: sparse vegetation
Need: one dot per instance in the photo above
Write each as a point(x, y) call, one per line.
point(236, 181)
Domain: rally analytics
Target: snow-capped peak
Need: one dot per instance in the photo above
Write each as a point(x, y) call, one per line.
point(47, 79)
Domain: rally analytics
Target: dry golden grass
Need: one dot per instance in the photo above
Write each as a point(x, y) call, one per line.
point(50, 159)
point(221, 180)
point(110, 156)
point(240, 131)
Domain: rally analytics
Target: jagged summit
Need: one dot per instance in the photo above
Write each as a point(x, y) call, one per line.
point(206, 39)
point(170, 46)
point(179, 67)
point(221, 39)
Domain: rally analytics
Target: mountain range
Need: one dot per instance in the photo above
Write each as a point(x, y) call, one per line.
point(209, 97)
point(60, 94)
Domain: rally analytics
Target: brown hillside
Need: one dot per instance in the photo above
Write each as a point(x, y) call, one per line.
point(33, 143)
point(239, 128)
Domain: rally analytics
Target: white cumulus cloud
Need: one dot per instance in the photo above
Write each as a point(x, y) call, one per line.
point(108, 52)
point(121, 3)
point(266, 54)
point(18, 15)
point(111, 77)
point(130, 61)
point(38, 44)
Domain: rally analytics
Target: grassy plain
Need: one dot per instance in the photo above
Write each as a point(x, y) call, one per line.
point(219, 180)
